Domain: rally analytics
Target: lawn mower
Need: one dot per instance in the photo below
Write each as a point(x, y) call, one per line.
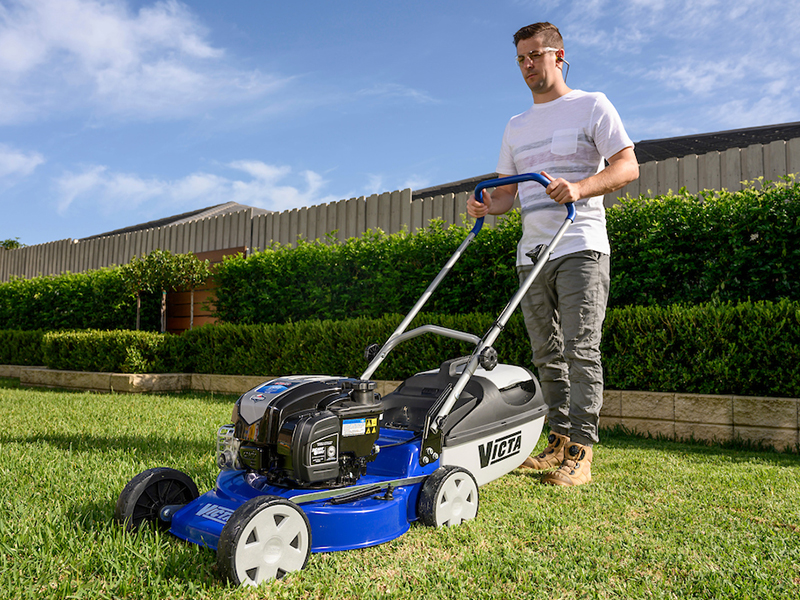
point(324, 463)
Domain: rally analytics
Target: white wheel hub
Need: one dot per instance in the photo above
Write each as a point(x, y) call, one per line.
point(274, 542)
point(457, 501)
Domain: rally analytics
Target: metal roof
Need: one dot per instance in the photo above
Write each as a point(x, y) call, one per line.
point(195, 215)
point(702, 143)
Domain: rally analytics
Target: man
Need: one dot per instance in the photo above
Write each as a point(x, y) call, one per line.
point(565, 135)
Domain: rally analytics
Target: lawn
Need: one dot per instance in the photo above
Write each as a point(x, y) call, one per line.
point(660, 520)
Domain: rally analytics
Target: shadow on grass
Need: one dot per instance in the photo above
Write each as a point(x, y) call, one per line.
point(12, 383)
point(736, 450)
point(149, 449)
point(9, 383)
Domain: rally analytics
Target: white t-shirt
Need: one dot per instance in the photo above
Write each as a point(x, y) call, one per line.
point(568, 137)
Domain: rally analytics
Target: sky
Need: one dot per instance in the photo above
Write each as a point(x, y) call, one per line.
point(118, 112)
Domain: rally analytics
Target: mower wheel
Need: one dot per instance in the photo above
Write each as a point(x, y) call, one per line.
point(146, 494)
point(265, 538)
point(448, 497)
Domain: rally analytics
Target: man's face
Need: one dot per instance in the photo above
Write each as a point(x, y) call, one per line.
point(538, 65)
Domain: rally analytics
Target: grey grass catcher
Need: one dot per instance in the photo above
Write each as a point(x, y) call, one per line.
point(323, 463)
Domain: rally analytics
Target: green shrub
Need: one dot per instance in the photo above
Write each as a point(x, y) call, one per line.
point(677, 248)
point(749, 349)
point(110, 351)
point(686, 249)
point(671, 249)
point(337, 347)
point(370, 276)
point(92, 300)
point(21, 347)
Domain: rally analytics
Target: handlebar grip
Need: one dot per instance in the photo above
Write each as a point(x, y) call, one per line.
point(514, 179)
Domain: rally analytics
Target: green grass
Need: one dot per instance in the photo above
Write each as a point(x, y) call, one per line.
point(660, 520)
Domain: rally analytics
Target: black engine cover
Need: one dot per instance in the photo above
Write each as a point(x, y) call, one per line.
point(309, 430)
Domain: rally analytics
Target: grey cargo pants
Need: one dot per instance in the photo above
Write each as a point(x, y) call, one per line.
point(564, 312)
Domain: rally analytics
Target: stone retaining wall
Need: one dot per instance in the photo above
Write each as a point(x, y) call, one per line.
point(771, 421)
point(141, 383)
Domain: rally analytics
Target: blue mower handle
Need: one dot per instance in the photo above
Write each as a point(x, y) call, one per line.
point(508, 181)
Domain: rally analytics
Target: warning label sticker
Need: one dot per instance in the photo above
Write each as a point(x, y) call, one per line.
point(372, 425)
point(351, 427)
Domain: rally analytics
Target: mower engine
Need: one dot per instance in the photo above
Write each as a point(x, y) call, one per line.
point(316, 432)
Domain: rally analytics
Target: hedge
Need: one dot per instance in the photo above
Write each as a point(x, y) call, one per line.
point(111, 351)
point(678, 248)
point(750, 349)
point(21, 347)
point(92, 300)
point(99, 299)
point(338, 346)
point(370, 276)
point(714, 246)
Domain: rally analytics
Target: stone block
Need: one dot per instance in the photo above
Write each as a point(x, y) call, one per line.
point(779, 438)
point(765, 412)
point(609, 422)
point(74, 380)
point(702, 408)
point(227, 384)
point(612, 406)
point(703, 431)
point(10, 371)
point(386, 387)
point(149, 382)
point(651, 426)
point(648, 405)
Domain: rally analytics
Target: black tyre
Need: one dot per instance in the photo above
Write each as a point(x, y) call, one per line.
point(265, 538)
point(146, 494)
point(448, 497)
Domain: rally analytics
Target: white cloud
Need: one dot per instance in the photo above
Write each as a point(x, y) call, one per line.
point(267, 186)
point(374, 185)
point(733, 62)
point(415, 182)
point(393, 90)
point(754, 112)
point(699, 77)
point(682, 28)
point(61, 54)
point(15, 163)
point(70, 186)
point(377, 184)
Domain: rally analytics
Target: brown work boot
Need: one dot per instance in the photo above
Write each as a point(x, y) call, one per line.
point(576, 468)
point(551, 457)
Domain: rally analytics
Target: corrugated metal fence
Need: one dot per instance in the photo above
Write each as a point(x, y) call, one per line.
point(390, 212)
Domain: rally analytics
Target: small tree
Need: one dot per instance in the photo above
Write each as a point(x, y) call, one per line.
point(163, 271)
point(191, 272)
point(11, 244)
point(136, 279)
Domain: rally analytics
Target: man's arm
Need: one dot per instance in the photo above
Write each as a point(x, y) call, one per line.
point(621, 170)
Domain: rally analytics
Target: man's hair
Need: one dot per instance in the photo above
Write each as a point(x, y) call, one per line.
point(551, 36)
